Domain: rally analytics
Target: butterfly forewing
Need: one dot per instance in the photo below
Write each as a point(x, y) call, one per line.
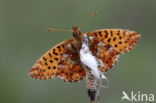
point(108, 44)
point(58, 61)
point(46, 66)
point(122, 40)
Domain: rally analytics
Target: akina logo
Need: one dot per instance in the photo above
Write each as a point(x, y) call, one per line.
point(137, 96)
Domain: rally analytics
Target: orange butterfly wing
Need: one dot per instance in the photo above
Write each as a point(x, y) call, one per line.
point(51, 65)
point(122, 40)
point(105, 52)
point(70, 68)
point(108, 44)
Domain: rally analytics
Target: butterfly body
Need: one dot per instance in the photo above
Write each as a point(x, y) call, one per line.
point(64, 61)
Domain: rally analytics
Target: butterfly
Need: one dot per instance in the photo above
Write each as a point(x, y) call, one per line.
point(63, 60)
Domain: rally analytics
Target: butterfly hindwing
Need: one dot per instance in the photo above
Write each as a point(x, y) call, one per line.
point(70, 68)
point(105, 52)
point(108, 55)
point(122, 40)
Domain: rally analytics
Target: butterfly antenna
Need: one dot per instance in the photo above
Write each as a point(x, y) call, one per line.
point(88, 19)
point(51, 29)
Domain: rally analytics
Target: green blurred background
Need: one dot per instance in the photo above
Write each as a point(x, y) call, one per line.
point(23, 39)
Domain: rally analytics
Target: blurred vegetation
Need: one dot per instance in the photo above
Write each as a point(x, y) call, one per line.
point(23, 39)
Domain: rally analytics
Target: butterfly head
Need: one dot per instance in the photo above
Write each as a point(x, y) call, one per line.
point(77, 33)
